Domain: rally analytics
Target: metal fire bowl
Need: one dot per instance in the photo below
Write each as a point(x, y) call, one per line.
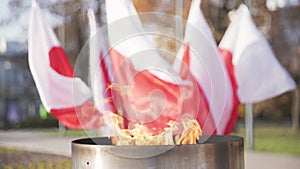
point(212, 152)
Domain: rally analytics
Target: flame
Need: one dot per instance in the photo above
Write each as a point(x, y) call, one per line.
point(139, 134)
point(191, 133)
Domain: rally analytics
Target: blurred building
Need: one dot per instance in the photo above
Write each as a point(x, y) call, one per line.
point(19, 98)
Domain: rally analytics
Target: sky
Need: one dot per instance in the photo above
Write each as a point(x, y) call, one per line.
point(14, 29)
point(274, 4)
point(14, 22)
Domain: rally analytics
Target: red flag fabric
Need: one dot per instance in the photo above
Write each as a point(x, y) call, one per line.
point(209, 70)
point(65, 96)
point(99, 68)
point(204, 116)
point(258, 74)
point(151, 91)
point(150, 100)
point(99, 73)
point(227, 57)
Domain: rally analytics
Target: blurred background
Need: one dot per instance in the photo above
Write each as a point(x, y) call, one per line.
point(19, 101)
point(20, 106)
point(276, 121)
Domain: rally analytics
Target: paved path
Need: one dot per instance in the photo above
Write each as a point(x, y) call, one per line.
point(257, 160)
point(37, 142)
point(61, 145)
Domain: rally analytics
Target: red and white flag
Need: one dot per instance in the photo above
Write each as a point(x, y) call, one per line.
point(207, 67)
point(258, 74)
point(99, 67)
point(65, 96)
point(152, 92)
point(99, 72)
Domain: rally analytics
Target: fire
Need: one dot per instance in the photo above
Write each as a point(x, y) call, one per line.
point(159, 130)
point(139, 134)
point(191, 133)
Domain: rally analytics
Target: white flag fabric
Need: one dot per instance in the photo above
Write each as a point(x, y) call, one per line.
point(99, 68)
point(62, 94)
point(99, 72)
point(152, 92)
point(258, 74)
point(127, 36)
point(207, 67)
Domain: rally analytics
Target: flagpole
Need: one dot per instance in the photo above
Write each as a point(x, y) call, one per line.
point(249, 109)
point(248, 4)
point(179, 23)
point(61, 36)
point(249, 126)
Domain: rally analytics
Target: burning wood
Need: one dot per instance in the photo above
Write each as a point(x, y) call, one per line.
point(139, 134)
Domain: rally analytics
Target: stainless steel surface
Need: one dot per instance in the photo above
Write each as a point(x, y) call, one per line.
point(215, 152)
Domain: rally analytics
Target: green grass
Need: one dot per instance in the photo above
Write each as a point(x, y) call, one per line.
point(275, 139)
point(18, 159)
point(55, 132)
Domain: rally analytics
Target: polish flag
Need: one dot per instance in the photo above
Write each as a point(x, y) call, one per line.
point(152, 92)
point(259, 76)
point(100, 73)
point(63, 94)
point(99, 67)
point(207, 67)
